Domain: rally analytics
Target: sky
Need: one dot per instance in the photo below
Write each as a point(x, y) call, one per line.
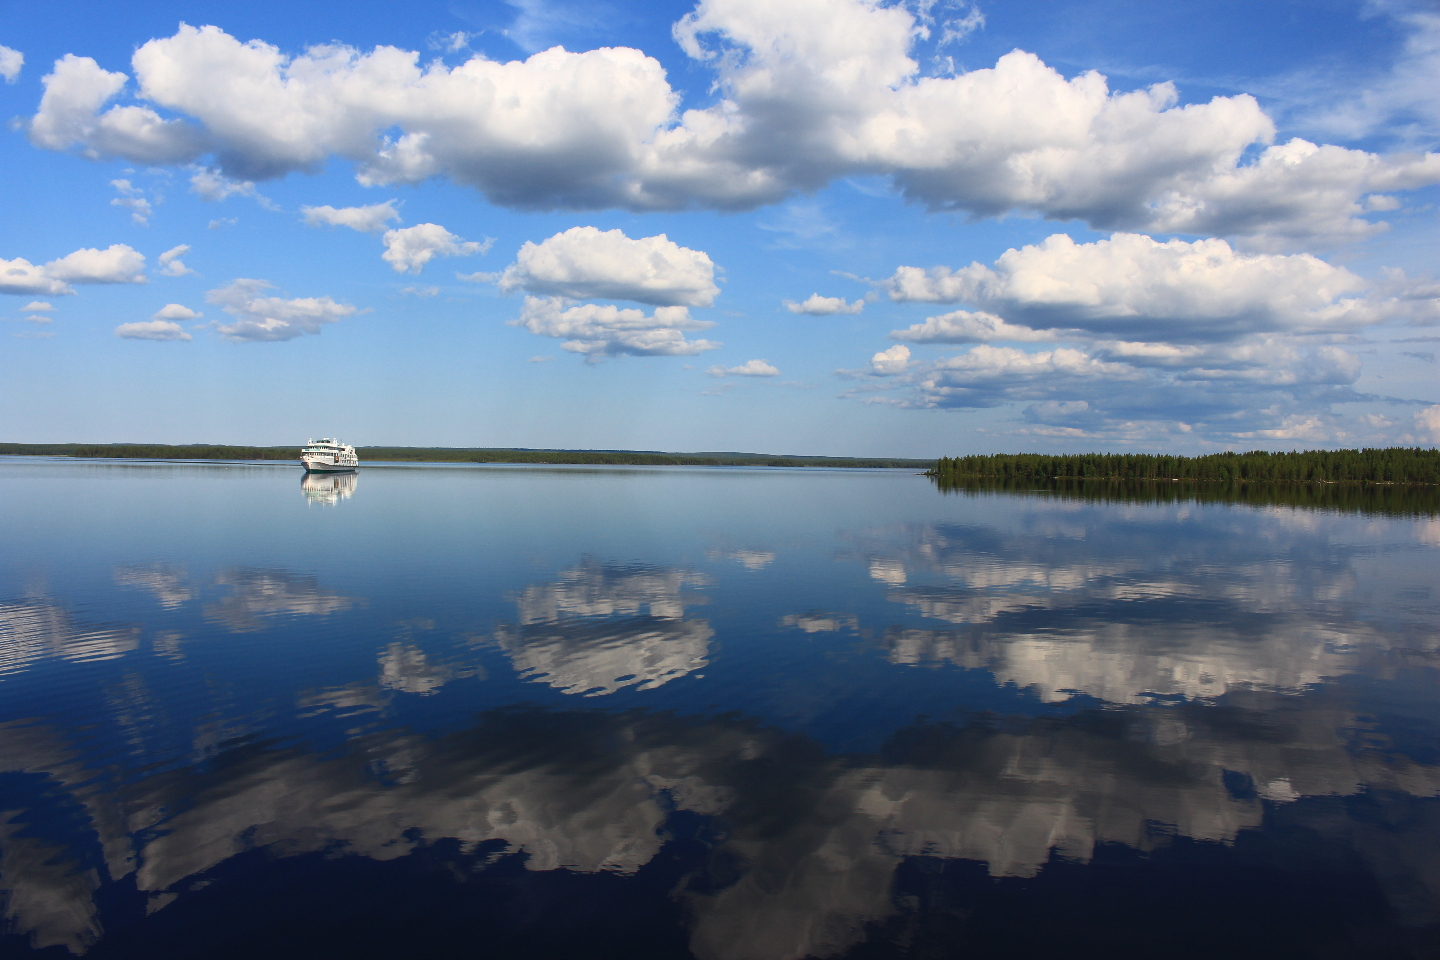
point(830, 227)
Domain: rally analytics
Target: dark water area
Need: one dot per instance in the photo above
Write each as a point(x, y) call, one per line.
point(722, 713)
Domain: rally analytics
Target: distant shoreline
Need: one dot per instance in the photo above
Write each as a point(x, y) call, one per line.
point(521, 455)
point(1402, 466)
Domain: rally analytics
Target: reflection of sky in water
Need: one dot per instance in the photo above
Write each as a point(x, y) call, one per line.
point(600, 627)
point(783, 693)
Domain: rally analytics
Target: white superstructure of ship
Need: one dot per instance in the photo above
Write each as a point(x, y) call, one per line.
point(328, 455)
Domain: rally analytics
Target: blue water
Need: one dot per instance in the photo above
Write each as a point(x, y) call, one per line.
point(728, 713)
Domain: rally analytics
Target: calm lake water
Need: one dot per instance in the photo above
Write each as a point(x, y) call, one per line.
point(731, 714)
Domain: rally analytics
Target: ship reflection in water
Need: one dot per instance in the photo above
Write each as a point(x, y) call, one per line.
point(329, 488)
point(497, 724)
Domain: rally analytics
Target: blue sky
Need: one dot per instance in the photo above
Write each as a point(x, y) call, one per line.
point(828, 226)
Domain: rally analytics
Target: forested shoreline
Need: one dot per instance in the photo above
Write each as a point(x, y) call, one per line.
point(133, 451)
point(1371, 465)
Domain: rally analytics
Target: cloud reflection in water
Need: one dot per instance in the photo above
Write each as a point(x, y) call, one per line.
point(814, 839)
point(35, 629)
point(585, 633)
point(259, 594)
point(1121, 610)
point(168, 584)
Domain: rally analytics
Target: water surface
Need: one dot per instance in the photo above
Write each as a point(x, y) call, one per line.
point(724, 713)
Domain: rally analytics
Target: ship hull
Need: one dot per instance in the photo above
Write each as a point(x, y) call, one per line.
point(316, 465)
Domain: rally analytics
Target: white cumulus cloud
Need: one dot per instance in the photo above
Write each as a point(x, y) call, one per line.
point(987, 375)
point(212, 186)
point(21, 276)
point(161, 326)
point(1134, 287)
point(133, 199)
point(818, 306)
point(557, 127)
point(1427, 422)
point(806, 92)
point(1132, 390)
point(117, 263)
point(585, 263)
point(269, 318)
point(152, 330)
point(10, 63)
point(69, 116)
point(750, 368)
point(170, 263)
point(601, 330)
point(37, 306)
point(887, 363)
point(367, 219)
point(410, 248)
point(176, 311)
point(962, 326)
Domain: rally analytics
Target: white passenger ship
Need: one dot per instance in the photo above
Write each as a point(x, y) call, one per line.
point(328, 456)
